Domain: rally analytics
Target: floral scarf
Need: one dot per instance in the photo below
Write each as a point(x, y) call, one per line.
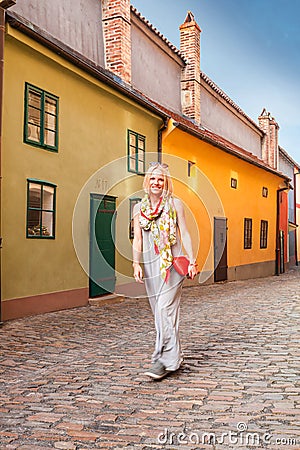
point(163, 231)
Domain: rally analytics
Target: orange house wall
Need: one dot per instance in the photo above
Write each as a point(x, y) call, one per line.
point(244, 202)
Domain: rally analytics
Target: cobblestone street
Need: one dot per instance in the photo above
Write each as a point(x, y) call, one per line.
point(74, 379)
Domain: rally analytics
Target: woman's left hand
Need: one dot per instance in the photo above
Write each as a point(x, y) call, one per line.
point(138, 273)
point(193, 270)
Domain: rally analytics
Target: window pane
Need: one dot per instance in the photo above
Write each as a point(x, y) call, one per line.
point(136, 152)
point(141, 157)
point(49, 137)
point(265, 192)
point(40, 210)
point(132, 164)
point(247, 233)
point(41, 119)
point(141, 166)
point(264, 234)
point(34, 115)
point(34, 123)
point(132, 139)
point(33, 133)
point(50, 105)
point(50, 121)
point(141, 143)
point(233, 183)
point(132, 151)
point(47, 223)
point(33, 222)
point(35, 195)
point(48, 196)
point(34, 99)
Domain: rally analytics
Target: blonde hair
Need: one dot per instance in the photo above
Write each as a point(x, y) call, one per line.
point(163, 168)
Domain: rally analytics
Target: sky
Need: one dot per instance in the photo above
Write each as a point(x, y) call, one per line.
point(249, 48)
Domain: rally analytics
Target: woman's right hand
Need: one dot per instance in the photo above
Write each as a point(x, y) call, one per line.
point(137, 273)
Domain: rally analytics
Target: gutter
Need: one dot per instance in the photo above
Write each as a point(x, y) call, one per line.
point(201, 135)
point(2, 33)
point(3, 6)
point(277, 251)
point(295, 209)
point(159, 143)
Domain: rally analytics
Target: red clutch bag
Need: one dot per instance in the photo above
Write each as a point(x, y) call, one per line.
point(181, 265)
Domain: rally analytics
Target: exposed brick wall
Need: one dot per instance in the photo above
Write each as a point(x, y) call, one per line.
point(190, 77)
point(117, 37)
point(270, 140)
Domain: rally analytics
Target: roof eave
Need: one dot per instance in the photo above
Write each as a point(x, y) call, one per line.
point(80, 61)
point(288, 157)
point(218, 91)
point(201, 135)
point(157, 33)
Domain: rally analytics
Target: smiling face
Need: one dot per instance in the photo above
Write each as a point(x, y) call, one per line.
point(156, 183)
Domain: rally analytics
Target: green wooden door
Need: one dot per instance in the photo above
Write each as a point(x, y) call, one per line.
point(102, 249)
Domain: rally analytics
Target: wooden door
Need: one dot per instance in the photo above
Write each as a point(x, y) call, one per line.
point(102, 245)
point(220, 249)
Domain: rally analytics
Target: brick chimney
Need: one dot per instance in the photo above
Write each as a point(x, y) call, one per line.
point(190, 75)
point(117, 37)
point(270, 140)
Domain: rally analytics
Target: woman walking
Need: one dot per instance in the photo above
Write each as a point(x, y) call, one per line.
point(159, 229)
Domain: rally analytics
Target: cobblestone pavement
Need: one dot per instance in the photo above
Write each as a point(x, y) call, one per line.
point(74, 379)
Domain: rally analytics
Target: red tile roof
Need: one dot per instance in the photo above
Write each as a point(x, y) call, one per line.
point(189, 126)
point(222, 94)
point(158, 33)
point(288, 158)
point(182, 122)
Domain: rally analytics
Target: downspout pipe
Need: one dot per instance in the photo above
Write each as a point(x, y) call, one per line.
point(277, 229)
point(3, 6)
point(159, 138)
point(2, 34)
point(295, 209)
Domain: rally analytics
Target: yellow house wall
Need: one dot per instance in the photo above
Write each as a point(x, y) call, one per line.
point(246, 201)
point(93, 124)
